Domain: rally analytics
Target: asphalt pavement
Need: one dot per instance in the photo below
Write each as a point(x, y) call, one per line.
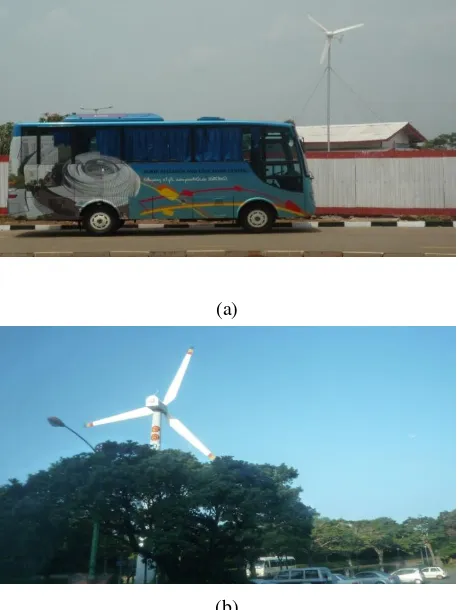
point(359, 241)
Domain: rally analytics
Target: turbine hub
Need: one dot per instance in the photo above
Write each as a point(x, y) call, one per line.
point(156, 406)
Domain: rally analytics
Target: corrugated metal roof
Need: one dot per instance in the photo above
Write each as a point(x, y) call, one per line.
point(366, 132)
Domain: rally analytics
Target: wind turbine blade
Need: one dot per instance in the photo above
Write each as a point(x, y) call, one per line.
point(317, 23)
point(175, 385)
point(325, 51)
point(142, 412)
point(189, 436)
point(352, 27)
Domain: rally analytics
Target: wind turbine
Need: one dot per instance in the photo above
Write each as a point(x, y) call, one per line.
point(158, 408)
point(330, 35)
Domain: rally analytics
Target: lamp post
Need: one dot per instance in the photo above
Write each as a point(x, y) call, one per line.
point(55, 422)
point(97, 110)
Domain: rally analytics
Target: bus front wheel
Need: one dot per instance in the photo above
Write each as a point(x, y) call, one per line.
point(101, 220)
point(257, 217)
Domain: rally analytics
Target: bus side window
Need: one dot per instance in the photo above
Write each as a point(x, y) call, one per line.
point(103, 140)
point(156, 145)
point(252, 135)
point(247, 146)
point(223, 144)
point(27, 171)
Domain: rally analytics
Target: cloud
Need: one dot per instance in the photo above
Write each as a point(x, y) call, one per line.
point(285, 27)
point(57, 23)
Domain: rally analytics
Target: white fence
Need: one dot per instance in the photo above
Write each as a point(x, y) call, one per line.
point(367, 183)
point(400, 183)
point(3, 183)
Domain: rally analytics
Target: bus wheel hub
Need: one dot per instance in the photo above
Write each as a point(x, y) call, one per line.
point(258, 218)
point(100, 220)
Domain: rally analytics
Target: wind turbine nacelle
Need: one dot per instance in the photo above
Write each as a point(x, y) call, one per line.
point(153, 403)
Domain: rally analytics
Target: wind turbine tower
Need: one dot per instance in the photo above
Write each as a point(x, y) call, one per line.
point(330, 36)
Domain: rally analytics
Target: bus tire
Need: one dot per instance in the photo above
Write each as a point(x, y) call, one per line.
point(100, 220)
point(257, 217)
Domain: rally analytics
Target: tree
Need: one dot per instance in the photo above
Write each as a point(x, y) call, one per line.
point(52, 117)
point(336, 537)
point(445, 141)
point(378, 534)
point(421, 532)
point(6, 133)
point(445, 538)
point(200, 523)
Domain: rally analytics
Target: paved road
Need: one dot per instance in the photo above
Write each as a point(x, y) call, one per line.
point(435, 240)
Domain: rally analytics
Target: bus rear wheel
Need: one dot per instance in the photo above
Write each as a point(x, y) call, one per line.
point(257, 217)
point(101, 220)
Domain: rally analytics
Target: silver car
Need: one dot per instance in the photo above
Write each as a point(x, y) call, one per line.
point(304, 576)
point(376, 578)
point(410, 575)
point(340, 579)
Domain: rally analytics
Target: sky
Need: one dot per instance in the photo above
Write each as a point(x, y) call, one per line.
point(366, 415)
point(256, 59)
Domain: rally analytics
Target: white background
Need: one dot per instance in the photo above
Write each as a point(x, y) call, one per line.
point(267, 292)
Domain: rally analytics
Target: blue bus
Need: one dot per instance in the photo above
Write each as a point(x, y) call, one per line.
point(103, 170)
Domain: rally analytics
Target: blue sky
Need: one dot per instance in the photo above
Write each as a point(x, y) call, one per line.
point(341, 405)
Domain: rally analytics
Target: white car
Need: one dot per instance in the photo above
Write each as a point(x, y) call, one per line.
point(410, 575)
point(434, 572)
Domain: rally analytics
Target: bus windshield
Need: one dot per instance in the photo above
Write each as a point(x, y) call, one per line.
point(137, 169)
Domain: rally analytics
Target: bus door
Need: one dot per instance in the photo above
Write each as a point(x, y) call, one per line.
point(280, 165)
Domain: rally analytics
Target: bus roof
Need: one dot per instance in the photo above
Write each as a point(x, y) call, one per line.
point(143, 121)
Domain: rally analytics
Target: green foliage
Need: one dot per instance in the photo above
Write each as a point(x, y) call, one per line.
point(377, 534)
point(6, 133)
point(201, 523)
point(445, 141)
point(52, 117)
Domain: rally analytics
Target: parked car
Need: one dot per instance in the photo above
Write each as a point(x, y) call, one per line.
point(340, 579)
point(376, 578)
point(317, 576)
point(410, 575)
point(434, 572)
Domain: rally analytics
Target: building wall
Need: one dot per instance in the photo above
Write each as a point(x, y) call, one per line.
point(401, 139)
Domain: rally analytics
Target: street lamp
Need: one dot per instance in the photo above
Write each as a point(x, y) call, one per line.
point(96, 110)
point(55, 422)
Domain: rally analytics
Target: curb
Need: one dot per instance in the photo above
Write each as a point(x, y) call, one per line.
point(226, 253)
point(414, 224)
